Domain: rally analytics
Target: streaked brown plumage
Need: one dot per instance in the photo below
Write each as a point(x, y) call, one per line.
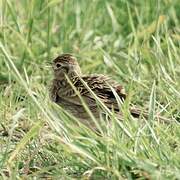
point(63, 93)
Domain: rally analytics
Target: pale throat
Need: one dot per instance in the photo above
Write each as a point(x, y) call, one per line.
point(62, 79)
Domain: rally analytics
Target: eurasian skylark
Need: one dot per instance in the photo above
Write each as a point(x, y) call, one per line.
point(62, 92)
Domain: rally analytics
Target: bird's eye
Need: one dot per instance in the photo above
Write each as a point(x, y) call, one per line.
point(58, 65)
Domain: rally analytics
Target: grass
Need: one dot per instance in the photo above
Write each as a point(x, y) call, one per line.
point(134, 42)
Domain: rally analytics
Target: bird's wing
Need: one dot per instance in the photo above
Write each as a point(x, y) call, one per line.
point(100, 85)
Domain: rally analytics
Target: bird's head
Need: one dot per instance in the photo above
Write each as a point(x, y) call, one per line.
point(65, 64)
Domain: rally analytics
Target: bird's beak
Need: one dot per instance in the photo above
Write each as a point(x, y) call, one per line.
point(49, 65)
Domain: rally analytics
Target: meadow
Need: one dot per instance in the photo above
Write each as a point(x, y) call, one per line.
point(137, 43)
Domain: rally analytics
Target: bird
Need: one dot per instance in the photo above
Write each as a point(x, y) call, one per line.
point(66, 69)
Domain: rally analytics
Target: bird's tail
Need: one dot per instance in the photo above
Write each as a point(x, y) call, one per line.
point(136, 113)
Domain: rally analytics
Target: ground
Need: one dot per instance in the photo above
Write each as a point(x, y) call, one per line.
point(134, 42)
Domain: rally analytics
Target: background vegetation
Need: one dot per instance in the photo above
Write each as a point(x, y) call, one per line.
point(135, 42)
